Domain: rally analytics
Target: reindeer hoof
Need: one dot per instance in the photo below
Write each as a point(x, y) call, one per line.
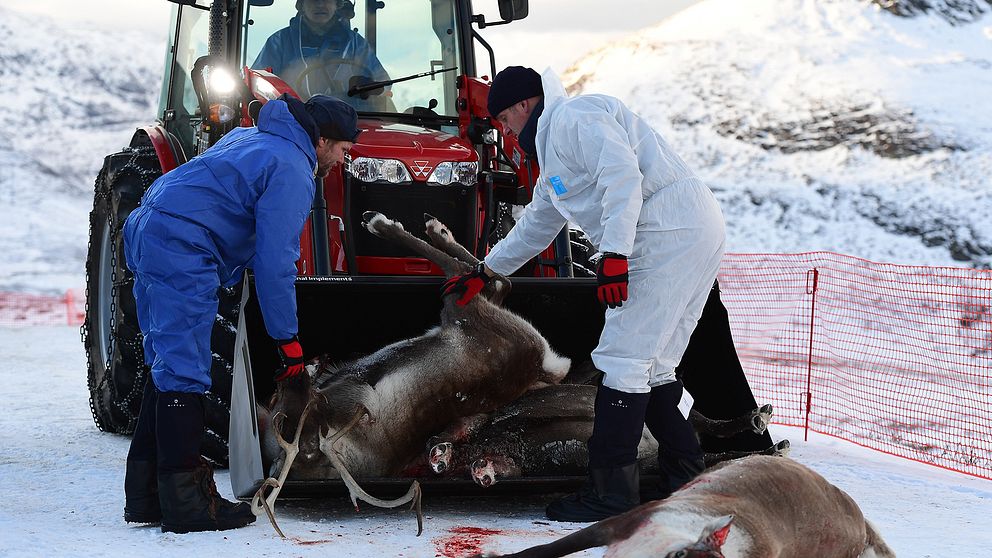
point(782, 448)
point(368, 216)
point(761, 418)
point(483, 473)
point(440, 457)
point(436, 228)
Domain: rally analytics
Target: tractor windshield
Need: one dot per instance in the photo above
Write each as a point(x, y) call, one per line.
point(334, 47)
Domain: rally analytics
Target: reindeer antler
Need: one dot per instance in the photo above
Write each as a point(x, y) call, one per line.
point(354, 490)
point(291, 450)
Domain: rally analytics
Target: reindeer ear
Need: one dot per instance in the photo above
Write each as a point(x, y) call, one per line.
point(715, 534)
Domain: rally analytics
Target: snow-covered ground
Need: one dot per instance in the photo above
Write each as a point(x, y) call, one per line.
point(62, 481)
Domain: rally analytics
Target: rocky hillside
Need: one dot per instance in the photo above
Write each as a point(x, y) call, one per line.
point(70, 96)
point(858, 127)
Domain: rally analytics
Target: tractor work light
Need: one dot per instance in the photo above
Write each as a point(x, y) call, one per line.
point(221, 81)
point(369, 169)
point(449, 172)
point(220, 86)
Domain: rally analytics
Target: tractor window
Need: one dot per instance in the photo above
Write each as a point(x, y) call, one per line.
point(189, 44)
point(359, 41)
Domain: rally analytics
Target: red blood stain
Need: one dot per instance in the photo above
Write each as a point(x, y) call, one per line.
point(463, 542)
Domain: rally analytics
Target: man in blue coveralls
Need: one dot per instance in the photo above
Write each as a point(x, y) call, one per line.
point(241, 204)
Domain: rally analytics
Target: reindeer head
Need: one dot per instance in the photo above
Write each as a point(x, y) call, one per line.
point(709, 543)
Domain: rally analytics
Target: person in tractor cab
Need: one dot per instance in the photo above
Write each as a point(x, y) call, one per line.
point(318, 53)
point(241, 204)
point(661, 234)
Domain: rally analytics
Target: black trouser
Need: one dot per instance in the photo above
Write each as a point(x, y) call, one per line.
point(169, 430)
point(141, 503)
point(680, 458)
point(617, 428)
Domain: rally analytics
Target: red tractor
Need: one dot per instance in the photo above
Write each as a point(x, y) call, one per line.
point(428, 146)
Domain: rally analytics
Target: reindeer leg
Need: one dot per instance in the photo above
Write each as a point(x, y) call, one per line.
point(780, 449)
point(441, 448)
point(291, 450)
point(487, 471)
point(383, 227)
point(355, 491)
point(442, 239)
point(755, 421)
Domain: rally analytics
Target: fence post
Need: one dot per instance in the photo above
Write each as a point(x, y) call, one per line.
point(812, 280)
point(68, 307)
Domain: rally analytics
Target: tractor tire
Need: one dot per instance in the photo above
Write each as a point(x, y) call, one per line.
point(116, 369)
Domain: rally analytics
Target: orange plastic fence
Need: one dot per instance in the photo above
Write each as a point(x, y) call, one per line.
point(22, 309)
point(892, 357)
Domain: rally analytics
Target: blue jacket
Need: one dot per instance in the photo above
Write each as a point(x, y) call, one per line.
point(252, 192)
point(289, 59)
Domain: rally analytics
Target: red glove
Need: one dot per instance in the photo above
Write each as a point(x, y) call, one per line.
point(611, 272)
point(468, 285)
point(291, 357)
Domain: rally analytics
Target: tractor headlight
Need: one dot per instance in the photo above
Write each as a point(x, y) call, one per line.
point(221, 85)
point(448, 172)
point(368, 169)
point(221, 81)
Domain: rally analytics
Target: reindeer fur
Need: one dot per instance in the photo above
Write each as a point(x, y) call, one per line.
point(479, 358)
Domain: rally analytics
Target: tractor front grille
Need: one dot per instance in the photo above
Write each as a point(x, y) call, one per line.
point(455, 206)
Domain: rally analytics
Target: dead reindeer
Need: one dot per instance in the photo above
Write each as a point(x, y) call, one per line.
point(371, 417)
point(545, 433)
point(755, 507)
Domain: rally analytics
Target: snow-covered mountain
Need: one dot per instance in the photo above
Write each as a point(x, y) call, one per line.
point(862, 127)
point(68, 97)
point(854, 126)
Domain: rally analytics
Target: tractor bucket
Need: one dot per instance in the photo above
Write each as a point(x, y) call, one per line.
point(345, 317)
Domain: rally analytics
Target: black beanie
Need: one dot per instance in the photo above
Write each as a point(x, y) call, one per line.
point(302, 116)
point(335, 119)
point(512, 85)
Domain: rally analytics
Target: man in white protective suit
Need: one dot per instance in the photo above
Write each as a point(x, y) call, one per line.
point(661, 234)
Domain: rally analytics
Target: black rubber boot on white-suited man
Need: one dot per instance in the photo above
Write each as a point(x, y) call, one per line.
point(613, 486)
point(187, 493)
point(680, 457)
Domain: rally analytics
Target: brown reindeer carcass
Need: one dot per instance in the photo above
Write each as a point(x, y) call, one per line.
point(544, 433)
point(371, 417)
point(754, 507)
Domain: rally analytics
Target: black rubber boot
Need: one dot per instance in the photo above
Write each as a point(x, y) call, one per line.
point(187, 492)
point(680, 458)
point(613, 486)
point(141, 473)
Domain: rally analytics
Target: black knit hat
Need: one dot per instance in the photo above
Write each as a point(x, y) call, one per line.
point(303, 118)
point(335, 119)
point(512, 85)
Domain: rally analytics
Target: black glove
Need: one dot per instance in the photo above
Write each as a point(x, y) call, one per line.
point(469, 284)
point(611, 272)
point(291, 357)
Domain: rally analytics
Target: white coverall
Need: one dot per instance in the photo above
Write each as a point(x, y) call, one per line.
point(606, 170)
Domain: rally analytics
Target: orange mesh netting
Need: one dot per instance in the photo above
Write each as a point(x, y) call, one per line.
point(892, 357)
